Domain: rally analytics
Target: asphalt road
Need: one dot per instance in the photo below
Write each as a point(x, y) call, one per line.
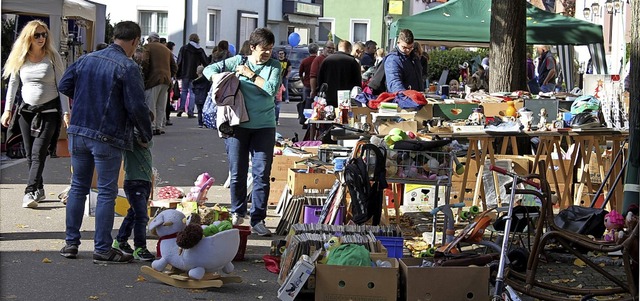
point(32, 269)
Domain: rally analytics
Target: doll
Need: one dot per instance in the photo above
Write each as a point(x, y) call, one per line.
point(614, 222)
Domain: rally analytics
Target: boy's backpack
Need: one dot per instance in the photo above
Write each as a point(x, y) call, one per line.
point(378, 82)
point(365, 176)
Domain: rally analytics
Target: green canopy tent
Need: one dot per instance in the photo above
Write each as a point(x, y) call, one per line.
point(467, 23)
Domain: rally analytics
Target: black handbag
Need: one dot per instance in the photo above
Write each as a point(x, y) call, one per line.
point(582, 220)
point(176, 90)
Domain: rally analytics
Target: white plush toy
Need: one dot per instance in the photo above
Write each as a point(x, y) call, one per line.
point(211, 254)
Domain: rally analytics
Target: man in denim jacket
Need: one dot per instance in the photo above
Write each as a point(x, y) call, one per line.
point(108, 103)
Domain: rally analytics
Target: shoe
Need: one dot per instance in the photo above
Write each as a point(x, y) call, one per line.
point(143, 254)
point(179, 113)
point(41, 196)
point(112, 256)
point(162, 132)
point(123, 247)
point(277, 122)
point(200, 126)
point(69, 251)
point(168, 123)
point(260, 229)
point(236, 219)
point(156, 132)
point(191, 116)
point(53, 154)
point(287, 101)
point(30, 200)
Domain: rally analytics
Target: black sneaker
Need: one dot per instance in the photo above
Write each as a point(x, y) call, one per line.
point(113, 256)
point(69, 251)
point(123, 247)
point(143, 254)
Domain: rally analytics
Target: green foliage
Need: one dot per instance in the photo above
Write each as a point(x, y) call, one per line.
point(8, 37)
point(439, 60)
point(108, 30)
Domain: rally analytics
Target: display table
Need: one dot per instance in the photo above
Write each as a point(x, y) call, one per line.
point(480, 148)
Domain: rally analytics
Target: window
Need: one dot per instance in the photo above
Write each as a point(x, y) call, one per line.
point(359, 30)
point(325, 27)
point(248, 23)
point(213, 27)
point(152, 21)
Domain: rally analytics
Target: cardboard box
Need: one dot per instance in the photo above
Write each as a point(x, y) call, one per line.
point(275, 192)
point(385, 127)
point(281, 165)
point(335, 282)
point(424, 114)
point(472, 166)
point(586, 197)
point(492, 109)
point(415, 199)
point(299, 180)
point(456, 193)
point(297, 277)
point(556, 166)
point(94, 180)
point(519, 164)
point(442, 283)
point(158, 205)
point(121, 205)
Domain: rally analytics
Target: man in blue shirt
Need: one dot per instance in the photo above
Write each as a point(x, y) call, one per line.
point(402, 66)
point(108, 103)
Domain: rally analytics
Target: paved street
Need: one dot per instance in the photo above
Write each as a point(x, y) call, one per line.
point(32, 269)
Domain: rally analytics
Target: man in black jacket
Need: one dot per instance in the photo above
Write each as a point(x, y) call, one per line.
point(340, 71)
point(190, 57)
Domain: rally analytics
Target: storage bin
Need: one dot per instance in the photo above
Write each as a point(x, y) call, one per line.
point(312, 214)
point(394, 245)
point(244, 235)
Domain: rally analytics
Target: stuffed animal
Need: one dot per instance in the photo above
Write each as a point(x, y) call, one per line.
point(614, 222)
point(211, 254)
point(192, 233)
point(199, 190)
point(631, 220)
point(216, 227)
point(330, 245)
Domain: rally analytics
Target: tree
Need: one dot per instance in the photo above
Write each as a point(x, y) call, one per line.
point(508, 44)
point(108, 30)
point(633, 169)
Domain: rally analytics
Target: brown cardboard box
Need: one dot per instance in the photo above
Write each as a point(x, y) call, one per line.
point(492, 109)
point(94, 181)
point(300, 180)
point(519, 164)
point(456, 190)
point(426, 113)
point(407, 126)
point(585, 198)
point(275, 191)
point(281, 165)
point(335, 282)
point(442, 283)
point(473, 171)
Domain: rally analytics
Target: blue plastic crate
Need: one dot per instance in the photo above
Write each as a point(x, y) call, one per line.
point(394, 245)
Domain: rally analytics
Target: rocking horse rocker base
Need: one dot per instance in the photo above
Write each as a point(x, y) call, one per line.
point(180, 279)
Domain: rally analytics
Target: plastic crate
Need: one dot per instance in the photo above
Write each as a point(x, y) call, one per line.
point(244, 236)
point(312, 214)
point(394, 245)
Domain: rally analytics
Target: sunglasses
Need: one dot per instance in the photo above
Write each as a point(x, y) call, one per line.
point(38, 35)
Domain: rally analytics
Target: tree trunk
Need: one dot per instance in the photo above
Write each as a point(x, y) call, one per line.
point(507, 52)
point(633, 171)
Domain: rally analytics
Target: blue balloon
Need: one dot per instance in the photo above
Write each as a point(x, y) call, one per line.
point(294, 39)
point(232, 49)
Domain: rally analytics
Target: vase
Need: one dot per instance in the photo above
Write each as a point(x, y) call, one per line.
point(511, 109)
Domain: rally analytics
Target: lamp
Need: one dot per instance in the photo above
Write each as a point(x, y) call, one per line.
point(617, 5)
point(609, 5)
point(388, 19)
point(586, 12)
point(595, 9)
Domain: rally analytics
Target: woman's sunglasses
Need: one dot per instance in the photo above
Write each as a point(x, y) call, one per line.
point(38, 35)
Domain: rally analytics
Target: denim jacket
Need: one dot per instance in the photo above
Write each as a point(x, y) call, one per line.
point(108, 98)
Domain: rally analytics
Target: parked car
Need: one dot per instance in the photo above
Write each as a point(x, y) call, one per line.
point(295, 56)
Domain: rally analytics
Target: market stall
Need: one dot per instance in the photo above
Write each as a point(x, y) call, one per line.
point(467, 23)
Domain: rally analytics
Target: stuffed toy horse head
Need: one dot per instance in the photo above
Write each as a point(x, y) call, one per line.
point(167, 222)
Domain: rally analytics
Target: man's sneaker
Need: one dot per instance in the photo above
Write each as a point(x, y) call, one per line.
point(260, 229)
point(69, 251)
point(236, 219)
point(30, 200)
point(112, 256)
point(41, 195)
point(123, 247)
point(143, 254)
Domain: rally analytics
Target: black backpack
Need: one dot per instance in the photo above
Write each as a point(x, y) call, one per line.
point(378, 82)
point(366, 186)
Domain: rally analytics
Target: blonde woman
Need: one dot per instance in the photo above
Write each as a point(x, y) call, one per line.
point(36, 64)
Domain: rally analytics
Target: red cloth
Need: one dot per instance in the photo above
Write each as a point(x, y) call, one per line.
point(272, 263)
point(383, 97)
point(158, 254)
point(415, 96)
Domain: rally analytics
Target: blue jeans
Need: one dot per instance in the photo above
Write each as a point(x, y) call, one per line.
point(549, 87)
point(259, 144)
point(86, 154)
point(186, 88)
point(137, 192)
point(285, 95)
point(278, 110)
